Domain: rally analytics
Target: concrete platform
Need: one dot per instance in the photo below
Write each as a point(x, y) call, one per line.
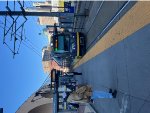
point(122, 62)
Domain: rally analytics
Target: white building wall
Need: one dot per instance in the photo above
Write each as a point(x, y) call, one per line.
point(38, 102)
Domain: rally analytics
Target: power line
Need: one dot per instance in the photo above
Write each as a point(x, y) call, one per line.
point(47, 78)
point(31, 43)
point(31, 48)
point(24, 45)
point(6, 20)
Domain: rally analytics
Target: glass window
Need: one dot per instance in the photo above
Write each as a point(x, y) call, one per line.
point(61, 43)
point(67, 43)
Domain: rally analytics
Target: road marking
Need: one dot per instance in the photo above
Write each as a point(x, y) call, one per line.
point(137, 17)
point(124, 104)
point(78, 44)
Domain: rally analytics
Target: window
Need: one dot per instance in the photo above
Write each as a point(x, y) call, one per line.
point(61, 43)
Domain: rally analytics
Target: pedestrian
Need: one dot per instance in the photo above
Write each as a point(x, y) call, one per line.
point(103, 94)
point(81, 95)
point(85, 94)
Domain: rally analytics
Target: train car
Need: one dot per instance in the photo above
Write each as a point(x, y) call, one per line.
point(68, 44)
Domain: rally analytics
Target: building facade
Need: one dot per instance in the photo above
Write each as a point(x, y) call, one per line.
point(46, 6)
point(46, 59)
point(39, 102)
point(48, 62)
point(46, 20)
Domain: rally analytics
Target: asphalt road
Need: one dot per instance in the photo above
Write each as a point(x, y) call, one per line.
point(125, 66)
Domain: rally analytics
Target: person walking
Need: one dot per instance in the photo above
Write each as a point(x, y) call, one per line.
point(85, 94)
point(103, 94)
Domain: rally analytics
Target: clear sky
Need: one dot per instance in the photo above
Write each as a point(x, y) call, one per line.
point(22, 76)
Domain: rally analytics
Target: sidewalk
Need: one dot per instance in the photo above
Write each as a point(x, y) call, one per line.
point(124, 66)
point(86, 108)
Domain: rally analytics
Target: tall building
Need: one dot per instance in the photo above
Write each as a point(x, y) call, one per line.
point(47, 6)
point(37, 9)
point(49, 62)
point(48, 32)
point(46, 59)
point(40, 7)
point(54, 65)
point(40, 4)
point(46, 20)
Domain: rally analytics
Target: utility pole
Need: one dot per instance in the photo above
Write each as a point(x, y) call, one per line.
point(51, 14)
point(1, 110)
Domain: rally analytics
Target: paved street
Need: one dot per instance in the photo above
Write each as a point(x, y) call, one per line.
point(125, 66)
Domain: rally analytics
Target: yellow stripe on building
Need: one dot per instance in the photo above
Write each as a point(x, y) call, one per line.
point(61, 4)
point(137, 17)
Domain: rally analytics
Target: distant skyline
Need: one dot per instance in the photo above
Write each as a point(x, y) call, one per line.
point(22, 76)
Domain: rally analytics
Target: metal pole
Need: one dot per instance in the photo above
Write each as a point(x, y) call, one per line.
point(1, 110)
point(56, 96)
point(51, 14)
point(48, 26)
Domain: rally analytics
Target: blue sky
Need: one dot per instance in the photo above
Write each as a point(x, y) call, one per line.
point(22, 76)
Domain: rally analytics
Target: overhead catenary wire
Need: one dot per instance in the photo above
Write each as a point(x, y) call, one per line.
point(13, 33)
point(26, 39)
point(24, 45)
point(47, 78)
point(6, 20)
point(31, 43)
point(13, 25)
point(31, 48)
